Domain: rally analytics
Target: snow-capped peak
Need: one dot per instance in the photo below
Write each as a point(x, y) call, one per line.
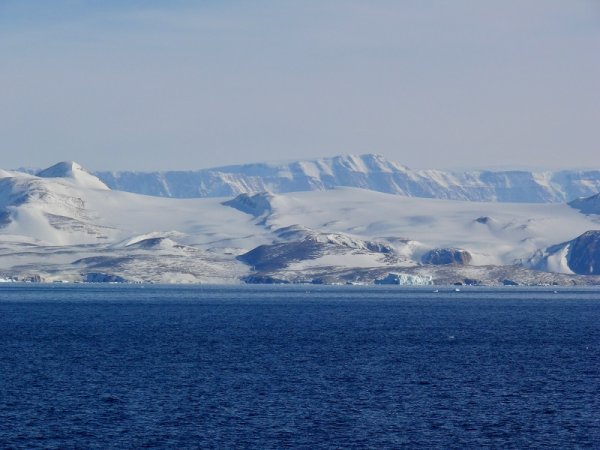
point(60, 170)
point(72, 171)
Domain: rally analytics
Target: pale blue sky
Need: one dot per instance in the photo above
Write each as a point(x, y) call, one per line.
point(192, 84)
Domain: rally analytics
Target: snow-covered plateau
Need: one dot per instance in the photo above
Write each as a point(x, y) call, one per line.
point(66, 224)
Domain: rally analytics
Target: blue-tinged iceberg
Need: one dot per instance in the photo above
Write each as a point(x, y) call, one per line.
point(404, 279)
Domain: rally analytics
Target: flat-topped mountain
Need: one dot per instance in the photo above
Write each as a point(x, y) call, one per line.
point(373, 172)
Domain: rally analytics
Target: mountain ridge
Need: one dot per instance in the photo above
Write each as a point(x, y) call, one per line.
point(367, 171)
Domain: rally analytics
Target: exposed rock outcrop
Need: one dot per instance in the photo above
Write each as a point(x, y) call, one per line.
point(256, 205)
point(302, 244)
point(442, 256)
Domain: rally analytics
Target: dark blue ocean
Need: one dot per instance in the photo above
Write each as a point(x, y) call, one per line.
point(298, 367)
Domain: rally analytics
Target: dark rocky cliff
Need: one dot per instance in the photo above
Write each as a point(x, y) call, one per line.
point(584, 254)
point(440, 256)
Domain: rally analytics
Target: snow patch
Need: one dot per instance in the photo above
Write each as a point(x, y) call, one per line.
point(558, 262)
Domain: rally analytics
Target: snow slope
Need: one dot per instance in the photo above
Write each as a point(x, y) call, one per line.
point(66, 224)
point(492, 233)
point(32, 206)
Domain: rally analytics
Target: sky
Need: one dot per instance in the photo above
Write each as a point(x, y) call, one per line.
point(164, 85)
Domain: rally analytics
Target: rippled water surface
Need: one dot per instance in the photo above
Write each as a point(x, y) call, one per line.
point(276, 367)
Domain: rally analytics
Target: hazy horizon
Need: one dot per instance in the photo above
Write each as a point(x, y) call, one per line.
point(178, 85)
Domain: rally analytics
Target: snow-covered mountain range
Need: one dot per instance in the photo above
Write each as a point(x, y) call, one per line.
point(67, 224)
point(369, 171)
